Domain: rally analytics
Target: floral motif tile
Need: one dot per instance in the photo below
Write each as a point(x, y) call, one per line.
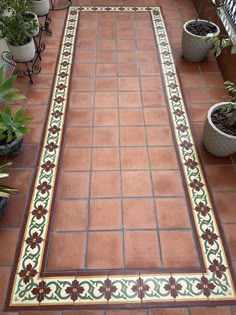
point(32, 290)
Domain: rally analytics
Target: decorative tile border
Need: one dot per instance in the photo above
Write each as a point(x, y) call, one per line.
point(29, 289)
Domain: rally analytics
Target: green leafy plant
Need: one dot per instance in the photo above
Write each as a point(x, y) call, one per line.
point(220, 43)
point(5, 191)
point(19, 6)
point(7, 91)
point(13, 126)
point(16, 30)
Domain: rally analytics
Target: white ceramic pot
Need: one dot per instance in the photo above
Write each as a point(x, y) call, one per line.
point(23, 53)
point(215, 141)
point(35, 17)
point(41, 7)
point(195, 48)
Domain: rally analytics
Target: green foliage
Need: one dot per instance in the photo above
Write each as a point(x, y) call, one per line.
point(5, 191)
point(16, 30)
point(16, 6)
point(220, 43)
point(13, 126)
point(7, 92)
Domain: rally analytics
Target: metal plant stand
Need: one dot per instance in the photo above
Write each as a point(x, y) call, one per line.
point(53, 8)
point(30, 67)
point(47, 22)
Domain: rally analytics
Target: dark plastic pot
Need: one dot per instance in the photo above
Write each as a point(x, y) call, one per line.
point(3, 206)
point(13, 148)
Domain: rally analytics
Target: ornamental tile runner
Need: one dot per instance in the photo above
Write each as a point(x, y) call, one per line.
point(212, 285)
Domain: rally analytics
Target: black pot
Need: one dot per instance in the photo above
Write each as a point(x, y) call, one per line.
point(3, 206)
point(13, 148)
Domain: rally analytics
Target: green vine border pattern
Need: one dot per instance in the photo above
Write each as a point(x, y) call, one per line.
point(30, 290)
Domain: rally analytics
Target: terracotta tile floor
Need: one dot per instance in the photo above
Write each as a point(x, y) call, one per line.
point(120, 202)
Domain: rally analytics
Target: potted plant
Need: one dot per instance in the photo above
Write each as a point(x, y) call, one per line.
point(18, 33)
point(219, 135)
point(41, 7)
point(195, 43)
point(5, 191)
point(12, 129)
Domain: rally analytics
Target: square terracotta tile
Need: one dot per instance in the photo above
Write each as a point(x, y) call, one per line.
point(105, 99)
point(85, 55)
point(163, 158)
point(149, 69)
point(106, 69)
point(144, 57)
point(105, 159)
point(84, 70)
point(146, 44)
point(127, 69)
point(139, 213)
point(87, 33)
point(106, 34)
point(151, 83)
point(131, 117)
point(160, 136)
point(76, 159)
point(65, 251)
point(132, 136)
point(178, 249)
point(84, 44)
point(37, 97)
point(78, 137)
point(167, 183)
point(196, 95)
point(221, 178)
point(105, 136)
point(105, 184)
point(129, 99)
point(153, 99)
point(126, 56)
point(105, 117)
point(169, 311)
point(8, 242)
point(105, 44)
point(126, 44)
point(156, 116)
point(141, 249)
point(105, 84)
point(81, 100)
point(191, 79)
point(136, 184)
point(106, 56)
point(125, 33)
point(172, 213)
point(128, 84)
point(82, 84)
point(224, 202)
point(80, 117)
point(70, 215)
point(134, 158)
point(213, 78)
point(123, 24)
point(73, 185)
point(104, 250)
point(104, 214)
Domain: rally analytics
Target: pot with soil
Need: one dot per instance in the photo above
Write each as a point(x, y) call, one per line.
point(195, 39)
point(219, 135)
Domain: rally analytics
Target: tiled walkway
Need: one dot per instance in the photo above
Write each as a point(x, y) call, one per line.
point(120, 205)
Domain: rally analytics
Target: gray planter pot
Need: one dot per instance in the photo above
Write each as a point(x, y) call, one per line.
point(12, 148)
point(41, 7)
point(195, 48)
point(215, 141)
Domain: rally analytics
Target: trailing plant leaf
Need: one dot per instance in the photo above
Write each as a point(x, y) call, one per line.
point(7, 91)
point(5, 191)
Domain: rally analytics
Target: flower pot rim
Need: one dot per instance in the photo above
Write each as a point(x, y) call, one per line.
point(200, 20)
point(30, 39)
point(12, 142)
point(210, 111)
